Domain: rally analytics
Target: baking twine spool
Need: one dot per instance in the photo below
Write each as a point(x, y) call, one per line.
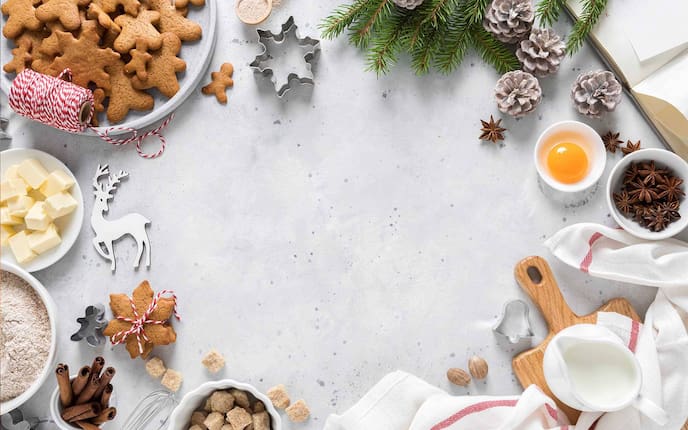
point(57, 102)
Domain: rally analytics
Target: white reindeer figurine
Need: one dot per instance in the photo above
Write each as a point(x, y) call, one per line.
point(107, 232)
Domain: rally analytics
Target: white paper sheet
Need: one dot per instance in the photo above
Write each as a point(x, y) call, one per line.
point(655, 27)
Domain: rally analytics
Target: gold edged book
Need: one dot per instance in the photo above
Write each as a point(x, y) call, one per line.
point(646, 45)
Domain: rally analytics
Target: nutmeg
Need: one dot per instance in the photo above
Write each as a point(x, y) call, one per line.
point(478, 367)
point(458, 377)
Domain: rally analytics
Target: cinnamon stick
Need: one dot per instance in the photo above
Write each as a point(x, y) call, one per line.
point(105, 398)
point(85, 425)
point(79, 383)
point(105, 416)
point(105, 379)
point(66, 393)
point(81, 412)
point(97, 366)
point(88, 392)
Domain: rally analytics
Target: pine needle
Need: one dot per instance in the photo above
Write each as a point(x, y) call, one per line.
point(373, 15)
point(387, 42)
point(341, 18)
point(423, 53)
point(493, 51)
point(474, 10)
point(455, 40)
point(548, 11)
point(592, 10)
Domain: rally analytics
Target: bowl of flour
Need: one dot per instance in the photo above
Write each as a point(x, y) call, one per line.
point(27, 336)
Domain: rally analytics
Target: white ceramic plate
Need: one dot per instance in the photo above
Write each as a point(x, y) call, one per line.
point(12, 404)
point(69, 226)
point(197, 55)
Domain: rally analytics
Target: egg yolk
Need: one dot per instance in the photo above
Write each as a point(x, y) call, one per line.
point(567, 162)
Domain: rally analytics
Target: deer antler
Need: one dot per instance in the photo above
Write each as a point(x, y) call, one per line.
point(113, 180)
point(102, 171)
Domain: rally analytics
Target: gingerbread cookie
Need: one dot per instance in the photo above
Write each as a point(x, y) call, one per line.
point(105, 21)
point(123, 96)
point(140, 27)
point(171, 21)
point(181, 4)
point(50, 46)
point(131, 7)
point(21, 56)
point(98, 106)
point(66, 11)
point(142, 297)
point(86, 58)
point(139, 61)
point(21, 16)
point(220, 81)
point(163, 68)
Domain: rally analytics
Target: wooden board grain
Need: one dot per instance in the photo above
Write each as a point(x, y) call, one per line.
point(536, 278)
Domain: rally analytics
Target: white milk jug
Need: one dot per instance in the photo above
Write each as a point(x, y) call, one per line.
point(590, 369)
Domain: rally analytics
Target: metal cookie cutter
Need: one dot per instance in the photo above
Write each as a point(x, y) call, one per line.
point(4, 136)
point(278, 46)
point(92, 324)
point(514, 323)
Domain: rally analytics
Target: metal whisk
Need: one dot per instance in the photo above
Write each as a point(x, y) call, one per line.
point(152, 412)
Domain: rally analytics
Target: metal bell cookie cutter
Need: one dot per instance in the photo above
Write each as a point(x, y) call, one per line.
point(272, 43)
point(514, 323)
point(92, 324)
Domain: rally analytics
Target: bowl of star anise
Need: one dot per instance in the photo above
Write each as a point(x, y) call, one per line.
point(646, 193)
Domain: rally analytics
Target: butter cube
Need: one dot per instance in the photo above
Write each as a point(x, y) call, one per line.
point(12, 188)
point(19, 206)
point(5, 233)
point(37, 218)
point(60, 204)
point(55, 182)
point(11, 172)
point(41, 241)
point(19, 244)
point(7, 219)
point(33, 172)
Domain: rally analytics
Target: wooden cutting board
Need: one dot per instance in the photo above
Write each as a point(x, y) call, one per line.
point(535, 277)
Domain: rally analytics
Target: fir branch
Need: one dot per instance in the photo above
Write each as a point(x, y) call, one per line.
point(493, 51)
point(455, 40)
point(474, 10)
point(592, 10)
point(548, 11)
point(373, 15)
point(387, 41)
point(341, 18)
point(429, 14)
point(423, 53)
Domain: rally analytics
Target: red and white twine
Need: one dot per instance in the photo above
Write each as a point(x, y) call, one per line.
point(57, 102)
point(138, 322)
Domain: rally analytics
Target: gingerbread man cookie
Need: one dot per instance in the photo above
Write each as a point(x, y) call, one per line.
point(173, 22)
point(21, 56)
point(98, 106)
point(105, 21)
point(220, 81)
point(21, 16)
point(139, 60)
point(66, 11)
point(140, 27)
point(163, 68)
point(181, 4)
point(131, 7)
point(123, 96)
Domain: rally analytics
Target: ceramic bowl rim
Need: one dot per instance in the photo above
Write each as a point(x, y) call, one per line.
point(50, 307)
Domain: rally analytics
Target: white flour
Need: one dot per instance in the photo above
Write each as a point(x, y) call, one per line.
point(24, 336)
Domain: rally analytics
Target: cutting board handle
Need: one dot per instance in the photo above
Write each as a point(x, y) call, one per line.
point(535, 276)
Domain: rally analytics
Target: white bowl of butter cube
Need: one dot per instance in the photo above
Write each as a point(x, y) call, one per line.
point(41, 208)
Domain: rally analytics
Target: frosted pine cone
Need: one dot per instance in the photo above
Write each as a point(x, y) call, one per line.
point(595, 93)
point(542, 52)
point(509, 20)
point(408, 4)
point(518, 93)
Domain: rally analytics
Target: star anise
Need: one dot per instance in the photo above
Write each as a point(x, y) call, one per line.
point(671, 188)
point(640, 212)
point(624, 202)
point(630, 147)
point(492, 131)
point(611, 141)
point(642, 192)
point(651, 174)
point(631, 173)
point(671, 210)
point(656, 220)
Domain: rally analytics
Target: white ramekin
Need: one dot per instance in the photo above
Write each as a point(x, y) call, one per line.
point(589, 140)
point(50, 307)
point(666, 159)
point(56, 409)
point(195, 399)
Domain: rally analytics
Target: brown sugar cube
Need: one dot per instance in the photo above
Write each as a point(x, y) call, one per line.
point(221, 401)
point(261, 421)
point(172, 380)
point(206, 406)
point(227, 427)
point(197, 427)
point(279, 397)
point(241, 398)
point(239, 418)
point(213, 361)
point(214, 421)
point(298, 412)
point(258, 406)
point(197, 419)
point(155, 367)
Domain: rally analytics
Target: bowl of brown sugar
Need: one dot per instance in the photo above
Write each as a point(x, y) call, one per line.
point(27, 336)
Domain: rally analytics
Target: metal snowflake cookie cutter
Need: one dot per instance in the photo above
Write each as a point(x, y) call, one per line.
point(514, 323)
point(14, 420)
point(92, 324)
point(271, 43)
